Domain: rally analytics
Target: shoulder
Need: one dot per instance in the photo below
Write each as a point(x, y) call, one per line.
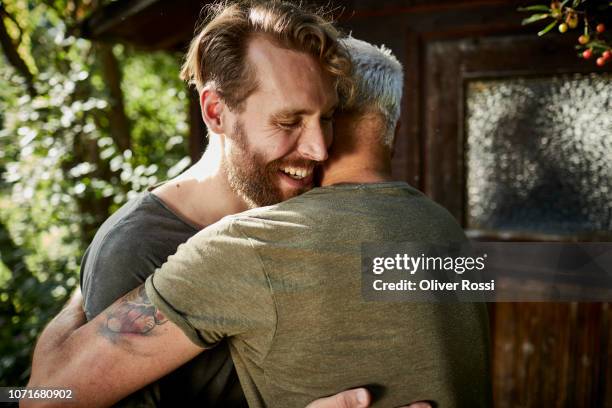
point(138, 229)
point(127, 248)
point(121, 234)
point(225, 233)
point(231, 244)
point(431, 219)
point(273, 225)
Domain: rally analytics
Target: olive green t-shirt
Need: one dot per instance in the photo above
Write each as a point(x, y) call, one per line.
point(284, 284)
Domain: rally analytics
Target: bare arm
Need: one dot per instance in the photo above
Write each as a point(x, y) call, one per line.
point(124, 348)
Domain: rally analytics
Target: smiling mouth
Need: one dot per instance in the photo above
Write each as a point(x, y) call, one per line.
point(297, 173)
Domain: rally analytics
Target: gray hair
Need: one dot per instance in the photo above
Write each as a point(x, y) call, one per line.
point(379, 79)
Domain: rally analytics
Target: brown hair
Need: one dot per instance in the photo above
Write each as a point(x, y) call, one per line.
point(217, 54)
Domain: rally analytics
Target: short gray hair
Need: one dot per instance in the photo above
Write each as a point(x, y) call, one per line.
point(379, 81)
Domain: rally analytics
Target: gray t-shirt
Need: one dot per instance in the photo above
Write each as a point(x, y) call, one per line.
point(128, 247)
point(283, 283)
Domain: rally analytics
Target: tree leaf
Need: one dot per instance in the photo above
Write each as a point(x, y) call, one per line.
point(534, 18)
point(539, 7)
point(547, 28)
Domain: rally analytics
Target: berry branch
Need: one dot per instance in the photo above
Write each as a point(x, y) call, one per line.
point(594, 42)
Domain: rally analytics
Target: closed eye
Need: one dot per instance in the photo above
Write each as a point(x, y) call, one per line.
point(289, 125)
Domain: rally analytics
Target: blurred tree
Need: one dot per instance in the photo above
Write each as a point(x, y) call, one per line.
point(84, 127)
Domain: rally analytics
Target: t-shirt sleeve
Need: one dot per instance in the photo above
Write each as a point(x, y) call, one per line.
point(112, 267)
point(214, 286)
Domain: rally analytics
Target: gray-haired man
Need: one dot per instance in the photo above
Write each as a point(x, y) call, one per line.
point(283, 282)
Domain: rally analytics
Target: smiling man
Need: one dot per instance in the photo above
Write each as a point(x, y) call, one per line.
point(267, 74)
point(282, 131)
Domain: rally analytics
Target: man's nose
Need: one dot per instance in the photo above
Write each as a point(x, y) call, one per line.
point(313, 144)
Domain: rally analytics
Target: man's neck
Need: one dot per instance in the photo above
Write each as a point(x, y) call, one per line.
point(202, 194)
point(356, 175)
point(359, 167)
point(358, 157)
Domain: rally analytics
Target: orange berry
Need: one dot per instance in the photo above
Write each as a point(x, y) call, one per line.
point(572, 20)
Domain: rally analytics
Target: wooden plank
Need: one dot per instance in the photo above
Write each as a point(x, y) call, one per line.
point(532, 359)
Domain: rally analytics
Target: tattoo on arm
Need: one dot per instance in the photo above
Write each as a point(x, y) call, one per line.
point(132, 314)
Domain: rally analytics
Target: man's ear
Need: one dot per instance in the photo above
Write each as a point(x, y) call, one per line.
point(212, 107)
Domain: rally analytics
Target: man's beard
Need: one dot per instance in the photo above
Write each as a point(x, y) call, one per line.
point(251, 178)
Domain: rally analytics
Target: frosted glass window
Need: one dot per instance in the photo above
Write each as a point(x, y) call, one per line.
point(539, 154)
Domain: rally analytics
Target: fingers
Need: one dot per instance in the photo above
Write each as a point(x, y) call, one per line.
point(76, 299)
point(73, 315)
point(357, 398)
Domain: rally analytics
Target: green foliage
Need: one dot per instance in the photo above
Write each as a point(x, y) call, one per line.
point(586, 16)
point(159, 103)
point(62, 172)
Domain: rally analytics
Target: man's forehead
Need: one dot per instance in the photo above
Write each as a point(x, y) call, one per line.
point(265, 53)
point(290, 77)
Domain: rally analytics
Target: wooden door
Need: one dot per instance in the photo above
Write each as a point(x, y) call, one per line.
point(544, 354)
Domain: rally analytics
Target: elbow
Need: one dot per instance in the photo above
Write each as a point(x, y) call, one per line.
point(37, 382)
point(33, 403)
point(50, 369)
point(63, 397)
point(44, 373)
point(38, 403)
point(30, 403)
point(62, 370)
